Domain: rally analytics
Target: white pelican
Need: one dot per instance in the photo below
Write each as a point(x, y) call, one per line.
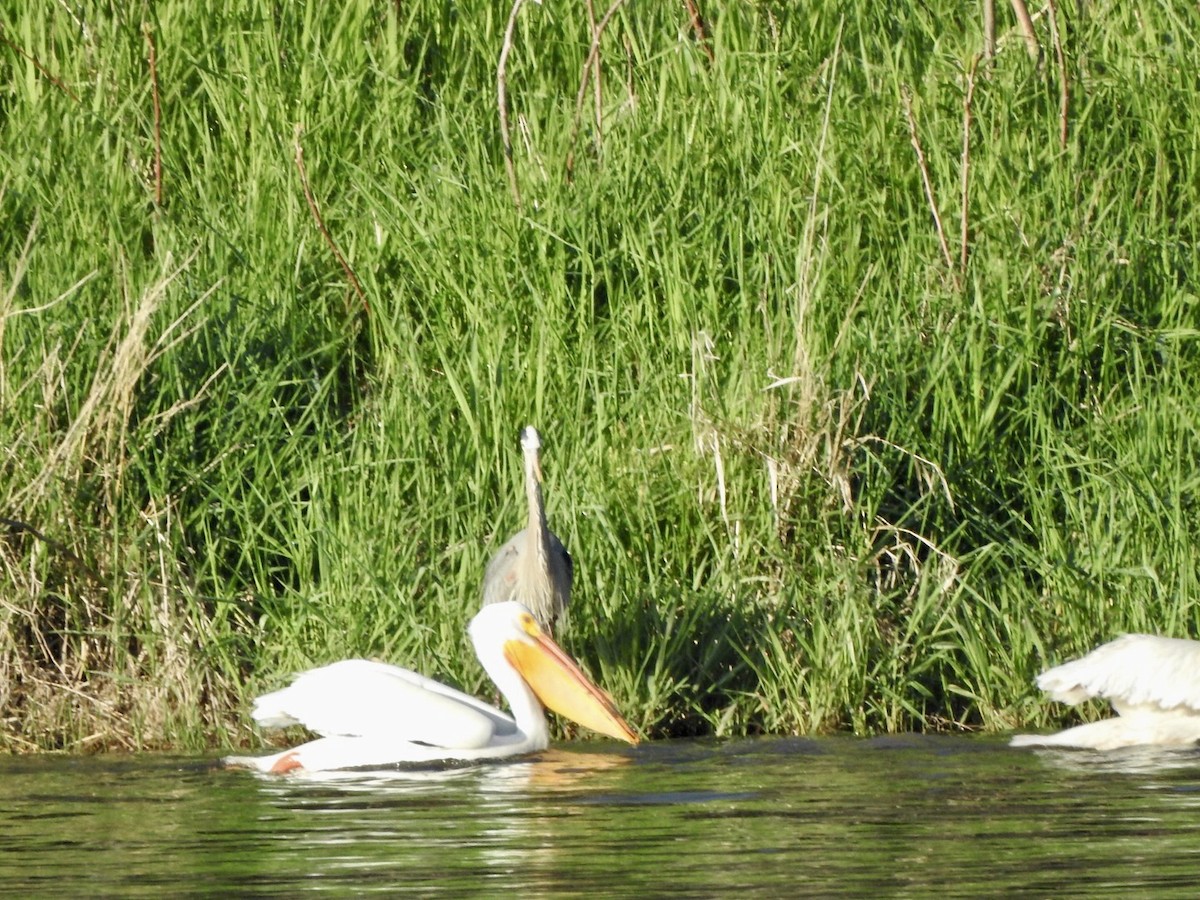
point(373, 714)
point(1152, 682)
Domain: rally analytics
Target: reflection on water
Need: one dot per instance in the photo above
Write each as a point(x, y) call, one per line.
point(901, 816)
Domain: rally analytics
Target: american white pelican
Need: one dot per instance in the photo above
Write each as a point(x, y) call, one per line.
point(372, 714)
point(1152, 682)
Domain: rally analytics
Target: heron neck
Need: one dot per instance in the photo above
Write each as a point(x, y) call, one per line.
point(537, 508)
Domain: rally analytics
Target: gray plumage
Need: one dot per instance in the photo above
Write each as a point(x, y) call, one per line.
point(533, 567)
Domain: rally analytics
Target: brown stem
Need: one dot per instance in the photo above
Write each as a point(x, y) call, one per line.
point(597, 89)
point(906, 96)
point(158, 170)
point(316, 212)
point(1064, 89)
point(964, 233)
point(17, 527)
point(33, 59)
point(592, 62)
point(699, 28)
point(502, 101)
point(1025, 24)
point(989, 29)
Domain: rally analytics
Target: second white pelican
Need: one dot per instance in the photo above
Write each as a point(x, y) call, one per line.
point(372, 714)
point(1152, 682)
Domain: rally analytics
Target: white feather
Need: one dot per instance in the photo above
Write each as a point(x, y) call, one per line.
point(361, 698)
point(1134, 670)
point(372, 714)
point(1152, 682)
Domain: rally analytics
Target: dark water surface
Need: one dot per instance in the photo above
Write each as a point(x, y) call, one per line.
point(907, 816)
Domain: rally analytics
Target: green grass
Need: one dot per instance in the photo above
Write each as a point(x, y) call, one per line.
point(813, 476)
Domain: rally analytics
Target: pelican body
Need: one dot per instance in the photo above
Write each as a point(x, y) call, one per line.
point(533, 567)
point(372, 714)
point(1152, 682)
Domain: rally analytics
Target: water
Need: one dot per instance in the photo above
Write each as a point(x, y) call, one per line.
point(909, 816)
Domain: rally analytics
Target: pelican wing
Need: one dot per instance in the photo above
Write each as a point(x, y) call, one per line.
point(361, 698)
point(1135, 671)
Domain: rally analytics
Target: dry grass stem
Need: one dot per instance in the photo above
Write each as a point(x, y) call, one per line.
point(502, 101)
point(807, 261)
point(989, 29)
point(906, 97)
point(8, 293)
point(316, 213)
point(1064, 86)
point(699, 28)
point(591, 67)
point(597, 84)
point(965, 170)
point(57, 82)
point(1025, 26)
point(158, 170)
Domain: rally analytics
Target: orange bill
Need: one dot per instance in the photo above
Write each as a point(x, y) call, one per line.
point(561, 685)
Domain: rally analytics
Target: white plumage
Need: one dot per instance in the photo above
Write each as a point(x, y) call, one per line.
point(1152, 682)
point(372, 714)
point(357, 696)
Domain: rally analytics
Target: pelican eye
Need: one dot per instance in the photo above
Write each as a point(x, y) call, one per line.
point(528, 623)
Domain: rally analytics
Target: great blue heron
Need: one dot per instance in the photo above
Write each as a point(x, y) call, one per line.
point(373, 714)
point(533, 567)
point(1152, 682)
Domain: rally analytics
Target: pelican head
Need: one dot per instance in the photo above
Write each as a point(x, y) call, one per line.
point(510, 642)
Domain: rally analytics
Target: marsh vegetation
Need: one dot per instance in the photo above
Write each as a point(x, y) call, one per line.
point(866, 369)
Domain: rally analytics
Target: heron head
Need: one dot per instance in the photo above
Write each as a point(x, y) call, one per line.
point(530, 439)
point(531, 443)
